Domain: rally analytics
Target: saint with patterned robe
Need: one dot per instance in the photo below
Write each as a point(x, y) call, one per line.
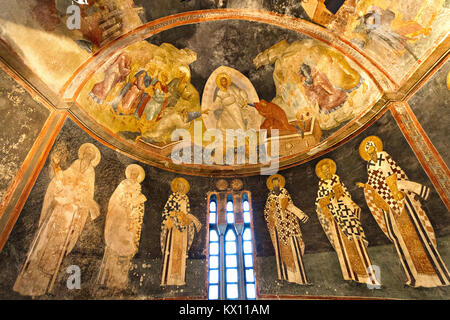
point(123, 229)
point(394, 202)
point(340, 219)
point(282, 217)
point(68, 203)
point(177, 233)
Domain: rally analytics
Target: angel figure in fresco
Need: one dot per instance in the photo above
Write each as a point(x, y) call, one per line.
point(376, 25)
point(123, 229)
point(282, 217)
point(340, 219)
point(177, 233)
point(114, 74)
point(394, 202)
point(68, 202)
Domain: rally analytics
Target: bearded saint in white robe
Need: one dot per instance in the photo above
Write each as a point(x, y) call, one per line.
point(68, 202)
point(123, 229)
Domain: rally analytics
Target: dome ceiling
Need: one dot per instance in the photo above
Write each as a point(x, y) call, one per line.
point(172, 92)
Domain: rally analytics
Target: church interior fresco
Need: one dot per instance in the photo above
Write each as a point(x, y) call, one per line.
point(357, 91)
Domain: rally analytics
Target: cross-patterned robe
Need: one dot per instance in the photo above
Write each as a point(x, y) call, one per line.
point(405, 223)
point(284, 229)
point(340, 219)
point(177, 240)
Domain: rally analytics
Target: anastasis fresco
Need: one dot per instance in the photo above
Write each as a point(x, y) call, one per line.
point(228, 149)
point(144, 93)
point(132, 88)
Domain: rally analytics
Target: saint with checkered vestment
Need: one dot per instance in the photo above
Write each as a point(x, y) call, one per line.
point(394, 202)
point(340, 219)
point(282, 218)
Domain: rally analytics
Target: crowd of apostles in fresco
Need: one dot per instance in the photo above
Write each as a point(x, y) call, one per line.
point(391, 197)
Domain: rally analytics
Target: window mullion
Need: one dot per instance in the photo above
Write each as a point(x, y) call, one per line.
point(240, 253)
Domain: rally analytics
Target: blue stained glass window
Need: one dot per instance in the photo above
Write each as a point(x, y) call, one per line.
point(247, 234)
point(248, 247)
point(214, 251)
point(251, 291)
point(231, 261)
point(213, 276)
point(248, 260)
point(246, 206)
point(249, 275)
point(214, 262)
point(213, 292)
point(230, 236)
point(213, 210)
point(213, 236)
point(232, 291)
point(237, 268)
point(232, 275)
point(214, 248)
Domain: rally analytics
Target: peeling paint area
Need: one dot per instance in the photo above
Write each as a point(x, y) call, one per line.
point(22, 120)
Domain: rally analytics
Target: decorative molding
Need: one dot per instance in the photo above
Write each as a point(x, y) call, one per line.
point(426, 153)
point(22, 184)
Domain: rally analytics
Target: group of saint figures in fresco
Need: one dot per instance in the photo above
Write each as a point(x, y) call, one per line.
point(69, 202)
point(391, 197)
point(393, 201)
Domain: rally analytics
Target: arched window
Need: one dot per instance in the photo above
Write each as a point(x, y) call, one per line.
point(231, 253)
point(231, 265)
point(230, 209)
point(214, 251)
point(247, 250)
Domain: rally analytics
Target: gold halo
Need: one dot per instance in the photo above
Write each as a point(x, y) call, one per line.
point(186, 71)
point(175, 182)
point(139, 168)
point(219, 77)
point(362, 147)
point(323, 162)
point(97, 157)
point(269, 181)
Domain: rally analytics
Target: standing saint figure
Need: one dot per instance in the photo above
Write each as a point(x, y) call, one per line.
point(68, 202)
point(177, 233)
point(340, 219)
point(282, 221)
point(394, 202)
point(123, 229)
point(229, 101)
